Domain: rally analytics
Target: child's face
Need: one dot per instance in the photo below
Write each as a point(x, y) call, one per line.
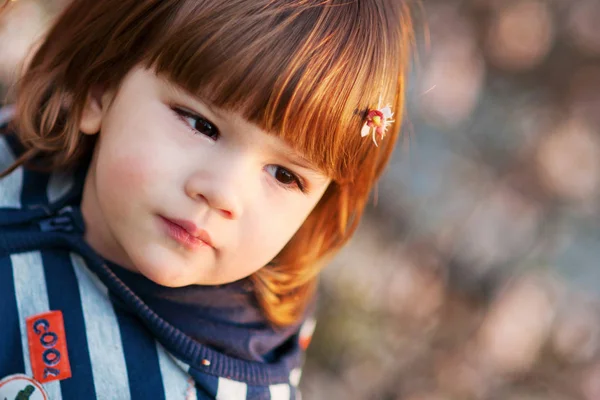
point(155, 161)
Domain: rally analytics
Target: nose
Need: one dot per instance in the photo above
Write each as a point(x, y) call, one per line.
point(220, 186)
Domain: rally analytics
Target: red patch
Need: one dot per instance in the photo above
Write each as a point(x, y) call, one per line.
point(48, 347)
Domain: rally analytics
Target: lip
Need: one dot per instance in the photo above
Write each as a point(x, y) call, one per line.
point(187, 233)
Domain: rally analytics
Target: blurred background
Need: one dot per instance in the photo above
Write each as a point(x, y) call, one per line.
point(475, 276)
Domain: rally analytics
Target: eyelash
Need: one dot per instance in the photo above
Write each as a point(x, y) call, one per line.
point(297, 182)
point(184, 115)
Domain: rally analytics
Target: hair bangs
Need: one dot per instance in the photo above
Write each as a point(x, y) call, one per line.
point(304, 71)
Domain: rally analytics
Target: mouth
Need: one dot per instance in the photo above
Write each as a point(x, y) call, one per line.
point(186, 233)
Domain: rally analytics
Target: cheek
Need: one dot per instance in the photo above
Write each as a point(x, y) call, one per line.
point(127, 173)
point(134, 152)
point(288, 224)
point(123, 170)
point(283, 226)
point(276, 229)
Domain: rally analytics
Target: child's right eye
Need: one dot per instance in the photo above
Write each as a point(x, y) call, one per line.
point(198, 124)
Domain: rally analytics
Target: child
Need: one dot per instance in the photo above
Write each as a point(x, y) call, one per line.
point(177, 172)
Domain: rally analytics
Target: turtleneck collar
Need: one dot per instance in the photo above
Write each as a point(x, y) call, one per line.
point(225, 317)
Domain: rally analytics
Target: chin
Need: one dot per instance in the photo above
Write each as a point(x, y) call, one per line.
point(173, 276)
point(170, 280)
point(164, 268)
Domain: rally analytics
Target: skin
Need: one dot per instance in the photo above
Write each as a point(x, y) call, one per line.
point(155, 158)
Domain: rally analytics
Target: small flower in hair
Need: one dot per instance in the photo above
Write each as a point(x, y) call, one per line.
point(377, 122)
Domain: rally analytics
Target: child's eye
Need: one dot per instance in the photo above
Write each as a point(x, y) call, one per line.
point(285, 177)
point(198, 124)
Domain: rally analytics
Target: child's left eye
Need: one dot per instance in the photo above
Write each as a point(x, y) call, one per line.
point(285, 177)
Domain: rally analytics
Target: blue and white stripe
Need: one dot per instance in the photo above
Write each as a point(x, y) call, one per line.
point(231, 390)
point(103, 335)
point(32, 299)
point(175, 379)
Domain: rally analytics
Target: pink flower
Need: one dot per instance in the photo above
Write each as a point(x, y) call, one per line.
point(377, 123)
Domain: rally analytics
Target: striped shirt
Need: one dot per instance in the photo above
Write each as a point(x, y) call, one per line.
point(118, 346)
